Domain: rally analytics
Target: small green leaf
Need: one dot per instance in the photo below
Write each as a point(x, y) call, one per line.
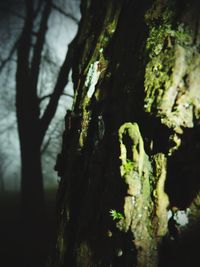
point(116, 215)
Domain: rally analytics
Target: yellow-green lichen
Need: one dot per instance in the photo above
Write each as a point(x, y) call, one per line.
point(137, 174)
point(157, 78)
point(108, 28)
point(132, 130)
point(163, 45)
point(170, 57)
point(161, 200)
point(85, 121)
point(128, 166)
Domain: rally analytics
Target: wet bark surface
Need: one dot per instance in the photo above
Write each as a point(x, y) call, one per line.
point(131, 140)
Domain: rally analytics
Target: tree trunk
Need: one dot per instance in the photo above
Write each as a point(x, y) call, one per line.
point(132, 138)
point(33, 208)
point(33, 212)
point(32, 126)
point(30, 137)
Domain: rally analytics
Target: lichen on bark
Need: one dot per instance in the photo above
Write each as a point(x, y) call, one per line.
point(139, 204)
point(172, 62)
point(92, 69)
point(122, 142)
point(160, 198)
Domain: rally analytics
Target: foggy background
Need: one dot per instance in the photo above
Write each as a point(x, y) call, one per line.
point(62, 27)
point(61, 30)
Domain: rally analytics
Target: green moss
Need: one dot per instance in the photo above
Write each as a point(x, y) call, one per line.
point(165, 36)
point(157, 78)
point(93, 64)
point(160, 11)
point(163, 47)
point(108, 28)
point(128, 166)
point(116, 215)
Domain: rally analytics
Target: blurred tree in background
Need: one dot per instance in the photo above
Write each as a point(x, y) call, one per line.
point(36, 61)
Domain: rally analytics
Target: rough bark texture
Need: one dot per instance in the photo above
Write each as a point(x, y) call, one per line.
point(131, 140)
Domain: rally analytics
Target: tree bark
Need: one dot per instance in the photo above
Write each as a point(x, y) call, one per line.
point(124, 165)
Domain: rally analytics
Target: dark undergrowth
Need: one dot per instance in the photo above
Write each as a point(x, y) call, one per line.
point(10, 229)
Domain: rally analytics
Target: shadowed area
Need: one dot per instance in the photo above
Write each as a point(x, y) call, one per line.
point(10, 229)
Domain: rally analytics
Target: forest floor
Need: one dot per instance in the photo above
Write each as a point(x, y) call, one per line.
point(10, 239)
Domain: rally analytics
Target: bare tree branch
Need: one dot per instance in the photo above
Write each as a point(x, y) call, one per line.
point(9, 57)
point(50, 95)
point(49, 60)
point(37, 10)
point(44, 97)
point(13, 12)
point(68, 15)
point(35, 65)
point(62, 80)
point(45, 146)
point(69, 95)
point(12, 51)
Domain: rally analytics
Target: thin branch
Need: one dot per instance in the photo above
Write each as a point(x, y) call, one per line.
point(9, 57)
point(12, 51)
point(48, 60)
point(37, 10)
point(45, 146)
point(35, 65)
point(62, 81)
point(69, 95)
point(68, 15)
point(13, 12)
point(44, 97)
point(50, 95)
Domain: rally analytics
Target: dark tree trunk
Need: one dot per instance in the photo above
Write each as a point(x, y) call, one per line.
point(132, 138)
point(33, 206)
point(32, 128)
point(32, 193)
point(32, 184)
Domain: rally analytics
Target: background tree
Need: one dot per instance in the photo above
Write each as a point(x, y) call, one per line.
point(29, 30)
point(129, 165)
point(32, 124)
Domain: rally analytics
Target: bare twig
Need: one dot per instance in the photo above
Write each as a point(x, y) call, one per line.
point(62, 81)
point(44, 97)
point(45, 145)
point(35, 64)
point(69, 95)
point(13, 12)
point(9, 57)
point(37, 10)
point(68, 15)
point(50, 95)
